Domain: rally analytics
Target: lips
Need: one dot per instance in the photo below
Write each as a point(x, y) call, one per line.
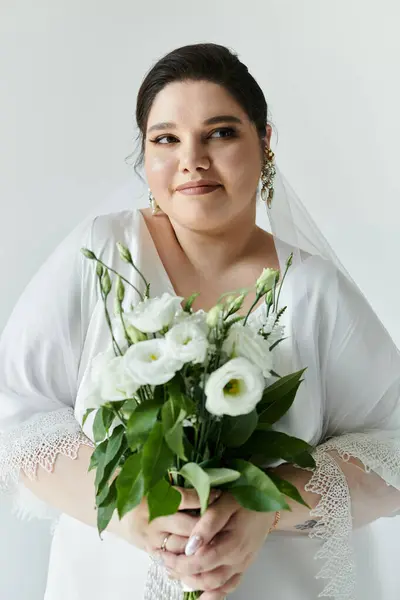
point(198, 187)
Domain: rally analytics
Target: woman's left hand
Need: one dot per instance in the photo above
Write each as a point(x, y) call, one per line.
point(222, 545)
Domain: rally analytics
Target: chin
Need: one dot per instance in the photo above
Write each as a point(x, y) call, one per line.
point(197, 214)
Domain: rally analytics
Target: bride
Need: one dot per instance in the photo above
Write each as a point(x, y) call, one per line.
point(205, 144)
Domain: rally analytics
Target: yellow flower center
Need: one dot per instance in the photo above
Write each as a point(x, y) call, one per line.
point(233, 387)
point(153, 357)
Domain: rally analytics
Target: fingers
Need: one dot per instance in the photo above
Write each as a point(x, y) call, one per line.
point(220, 594)
point(223, 549)
point(175, 543)
point(211, 523)
point(212, 580)
point(178, 524)
point(190, 499)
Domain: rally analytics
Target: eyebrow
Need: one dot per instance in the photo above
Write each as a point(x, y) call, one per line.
point(210, 121)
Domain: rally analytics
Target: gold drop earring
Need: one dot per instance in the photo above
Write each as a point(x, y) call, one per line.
point(267, 177)
point(153, 204)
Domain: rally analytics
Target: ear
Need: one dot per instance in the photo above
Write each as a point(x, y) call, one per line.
point(268, 135)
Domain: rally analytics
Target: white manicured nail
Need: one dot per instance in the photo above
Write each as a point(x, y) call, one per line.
point(193, 545)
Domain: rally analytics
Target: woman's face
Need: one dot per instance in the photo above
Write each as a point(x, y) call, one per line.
point(197, 131)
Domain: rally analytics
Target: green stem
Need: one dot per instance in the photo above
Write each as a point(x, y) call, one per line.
point(123, 278)
point(251, 308)
point(124, 327)
point(142, 276)
point(114, 341)
point(280, 287)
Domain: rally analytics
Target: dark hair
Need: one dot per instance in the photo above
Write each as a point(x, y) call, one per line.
point(202, 62)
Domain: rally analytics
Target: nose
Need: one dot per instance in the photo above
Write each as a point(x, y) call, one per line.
point(194, 157)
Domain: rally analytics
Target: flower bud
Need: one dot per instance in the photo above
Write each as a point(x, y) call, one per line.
point(120, 289)
point(99, 270)
point(289, 260)
point(135, 335)
point(189, 302)
point(236, 304)
point(88, 253)
point(124, 253)
point(106, 283)
point(269, 298)
point(266, 281)
point(213, 315)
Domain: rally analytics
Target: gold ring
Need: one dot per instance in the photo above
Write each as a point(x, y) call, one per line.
point(164, 544)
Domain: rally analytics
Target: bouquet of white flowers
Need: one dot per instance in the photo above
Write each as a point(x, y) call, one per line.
point(189, 399)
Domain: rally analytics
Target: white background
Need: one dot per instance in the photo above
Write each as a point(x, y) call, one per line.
point(69, 74)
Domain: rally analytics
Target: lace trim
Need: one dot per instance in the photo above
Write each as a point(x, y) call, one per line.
point(37, 442)
point(334, 508)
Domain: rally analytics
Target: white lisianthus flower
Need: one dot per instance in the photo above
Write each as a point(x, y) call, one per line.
point(150, 362)
point(154, 314)
point(234, 389)
point(116, 383)
point(99, 363)
point(108, 381)
point(246, 342)
point(199, 318)
point(266, 281)
point(187, 342)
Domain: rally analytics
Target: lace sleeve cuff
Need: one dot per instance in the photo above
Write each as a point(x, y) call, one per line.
point(34, 443)
point(335, 511)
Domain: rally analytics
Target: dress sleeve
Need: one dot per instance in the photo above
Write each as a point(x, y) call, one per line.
point(40, 351)
point(358, 461)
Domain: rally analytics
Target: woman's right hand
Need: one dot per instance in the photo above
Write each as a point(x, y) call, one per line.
point(136, 529)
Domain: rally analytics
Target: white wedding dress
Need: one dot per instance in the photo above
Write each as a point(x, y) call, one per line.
point(353, 399)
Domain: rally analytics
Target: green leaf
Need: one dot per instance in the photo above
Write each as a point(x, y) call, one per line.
point(199, 479)
point(130, 485)
point(279, 389)
point(237, 430)
point(288, 489)
point(254, 499)
point(305, 459)
point(109, 461)
point(97, 455)
point(141, 423)
point(159, 394)
point(172, 417)
point(175, 393)
point(277, 444)
point(279, 407)
point(102, 422)
point(163, 500)
point(157, 457)
point(254, 489)
point(221, 475)
point(106, 510)
point(87, 413)
point(128, 407)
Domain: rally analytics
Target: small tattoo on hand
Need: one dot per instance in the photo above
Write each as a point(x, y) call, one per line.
point(307, 525)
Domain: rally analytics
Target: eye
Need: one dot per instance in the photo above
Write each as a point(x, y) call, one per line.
point(164, 139)
point(224, 132)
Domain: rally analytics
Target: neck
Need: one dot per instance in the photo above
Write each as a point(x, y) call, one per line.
point(213, 252)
